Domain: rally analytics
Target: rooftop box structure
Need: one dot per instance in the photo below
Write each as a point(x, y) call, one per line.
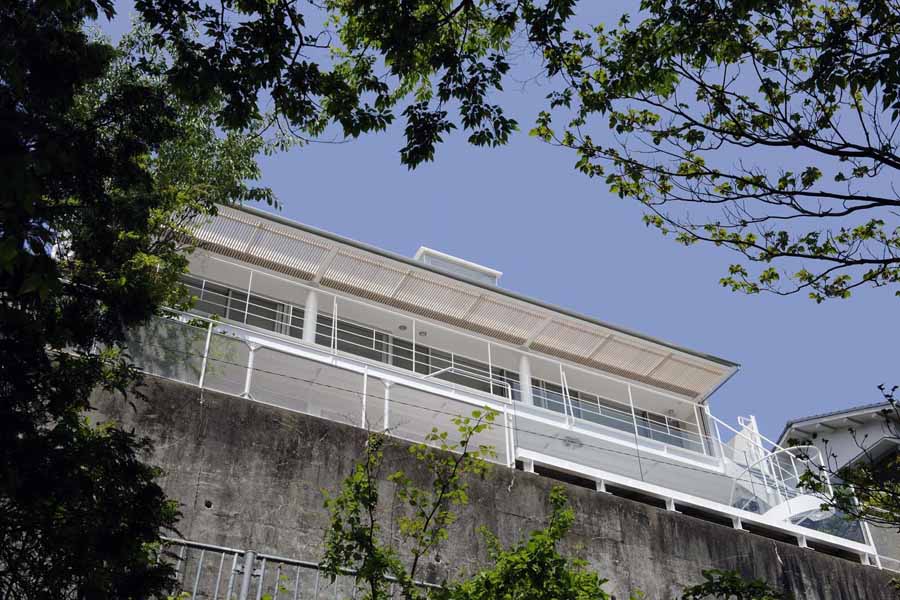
point(457, 266)
point(301, 318)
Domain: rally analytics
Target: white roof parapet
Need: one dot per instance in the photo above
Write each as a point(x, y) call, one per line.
point(345, 265)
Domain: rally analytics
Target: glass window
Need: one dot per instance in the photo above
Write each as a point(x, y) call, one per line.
point(470, 373)
point(210, 298)
point(401, 354)
point(353, 338)
point(296, 326)
point(236, 306)
point(548, 395)
point(264, 313)
point(505, 376)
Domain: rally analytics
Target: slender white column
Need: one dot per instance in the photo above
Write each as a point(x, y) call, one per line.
point(525, 380)
point(387, 405)
point(310, 317)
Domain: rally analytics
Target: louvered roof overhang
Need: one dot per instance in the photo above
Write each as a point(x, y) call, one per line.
point(275, 243)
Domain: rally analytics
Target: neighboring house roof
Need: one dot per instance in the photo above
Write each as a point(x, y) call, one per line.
point(846, 415)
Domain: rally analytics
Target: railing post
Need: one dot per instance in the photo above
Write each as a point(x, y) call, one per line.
point(247, 575)
point(205, 355)
point(197, 575)
point(334, 326)
point(510, 457)
point(491, 370)
point(867, 533)
point(365, 394)
point(718, 437)
point(247, 303)
point(387, 405)
point(567, 404)
point(637, 448)
point(247, 379)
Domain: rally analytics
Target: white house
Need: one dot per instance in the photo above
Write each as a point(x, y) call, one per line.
point(300, 318)
point(846, 436)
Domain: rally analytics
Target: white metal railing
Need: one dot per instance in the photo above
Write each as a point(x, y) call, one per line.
point(278, 316)
point(209, 572)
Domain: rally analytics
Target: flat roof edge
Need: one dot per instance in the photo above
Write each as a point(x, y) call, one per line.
point(521, 298)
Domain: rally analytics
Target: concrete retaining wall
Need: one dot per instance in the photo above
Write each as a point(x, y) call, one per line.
point(250, 475)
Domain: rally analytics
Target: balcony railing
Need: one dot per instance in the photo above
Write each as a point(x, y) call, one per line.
point(364, 340)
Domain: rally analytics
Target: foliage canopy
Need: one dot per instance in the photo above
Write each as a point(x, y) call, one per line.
point(768, 128)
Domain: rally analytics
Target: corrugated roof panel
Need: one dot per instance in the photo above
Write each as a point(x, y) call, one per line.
point(370, 277)
point(300, 255)
point(684, 374)
point(514, 323)
point(229, 235)
point(435, 298)
point(628, 357)
point(569, 339)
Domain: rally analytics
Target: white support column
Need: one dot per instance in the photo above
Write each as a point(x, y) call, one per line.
point(247, 379)
point(567, 403)
point(365, 394)
point(334, 325)
point(700, 430)
point(528, 465)
point(310, 317)
point(387, 405)
point(737, 523)
point(600, 485)
point(801, 541)
point(507, 436)
point(205, 355)
point(637, 442)
point(247, 303)
point(525, 380)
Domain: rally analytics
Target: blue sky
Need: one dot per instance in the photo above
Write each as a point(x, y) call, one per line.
point(563, 238)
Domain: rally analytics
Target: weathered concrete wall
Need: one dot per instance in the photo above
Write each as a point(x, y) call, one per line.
point(250, 475)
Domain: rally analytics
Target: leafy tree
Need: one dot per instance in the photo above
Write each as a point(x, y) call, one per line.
point(355, 538)
point(107, 155)
point(534, 569)
point(100, 165)
point(728, 585)
point(768, 128)
point(356, 64)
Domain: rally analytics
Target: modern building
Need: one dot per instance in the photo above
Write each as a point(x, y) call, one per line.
point(295, 317)
point(849, 436)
